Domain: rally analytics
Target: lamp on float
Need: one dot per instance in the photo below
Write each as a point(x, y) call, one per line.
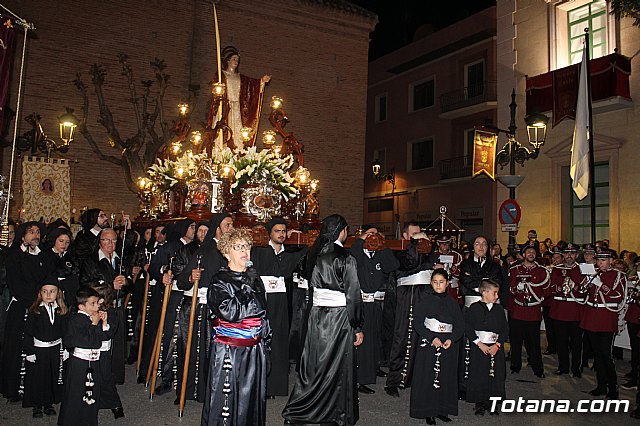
point(183, 107)
point(246, 134)
point(314, 184)
point(302, 176)
point(196, 138)
point(218, 90)
point(176, 147)
point(276, 102)
point(268, 138)
point(226, 171)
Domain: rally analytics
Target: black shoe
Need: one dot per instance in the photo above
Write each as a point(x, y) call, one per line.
point(392, 391)
point(631, 384)
point(141, 379)
point(366, 389)
point(560, 372)
point(163, 388)
point(613, 393)
point(381, 373)
point(577, 375)
point(599, 391)
point(49, 410)
point(431, 420)
point(635, 414)
point(445, 419)
point(479, 411)
point(540, 375)
point(462, 395)
point(37, 413)
point(117, 412)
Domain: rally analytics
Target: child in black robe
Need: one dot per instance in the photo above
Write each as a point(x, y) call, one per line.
point(109, 397)
point(487, 330)
point(440, 326)
point(83, 339)
point(42, 345)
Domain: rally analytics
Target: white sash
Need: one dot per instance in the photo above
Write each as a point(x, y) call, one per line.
point(87, 354)
point(422, 277)
point(328, 298)
point(106, 346)
point(40, 344)
point(372, 297)
point(152, 282)
point(273, 284)
point(487, 337)
point(437, 326)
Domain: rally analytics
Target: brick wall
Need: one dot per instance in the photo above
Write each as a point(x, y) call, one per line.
point(316, 55)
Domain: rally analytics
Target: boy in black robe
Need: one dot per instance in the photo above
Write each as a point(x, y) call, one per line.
point(487, 330)
point(83, 339)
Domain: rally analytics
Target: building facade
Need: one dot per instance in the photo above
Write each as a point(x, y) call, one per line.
point(537, 37)
point(424, 100)
point(316, 52)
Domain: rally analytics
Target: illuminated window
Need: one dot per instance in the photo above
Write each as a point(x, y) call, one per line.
point(593, 16)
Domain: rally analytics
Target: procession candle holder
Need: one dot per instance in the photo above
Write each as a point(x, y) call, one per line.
point(268, 138)
point(196, 138)
point(276, 102)
point(218, 90)
point(246, 134)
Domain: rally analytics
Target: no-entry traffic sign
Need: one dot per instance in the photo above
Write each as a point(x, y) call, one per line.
point(510, 212)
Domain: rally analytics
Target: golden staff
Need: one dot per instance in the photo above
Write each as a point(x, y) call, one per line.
point(187, 355)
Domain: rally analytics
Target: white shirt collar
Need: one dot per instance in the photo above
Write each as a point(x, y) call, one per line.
point(84, 313)
point(95, 231)
point(489, 305)
point(59, 254)
point(274, 248)
point(101, 255)
point(26, 250)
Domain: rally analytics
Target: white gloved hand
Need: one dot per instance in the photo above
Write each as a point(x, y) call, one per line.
point(31, 358)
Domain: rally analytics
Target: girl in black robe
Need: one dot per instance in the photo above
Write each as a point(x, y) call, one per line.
point(439, 325)
point(237, 384)
point(487, 329)
point(42, 344)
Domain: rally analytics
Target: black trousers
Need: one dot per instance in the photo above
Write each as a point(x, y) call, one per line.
point(527, 332)
point(569, 341)
point(550, 330)
point(633, 330)
point(602, 342)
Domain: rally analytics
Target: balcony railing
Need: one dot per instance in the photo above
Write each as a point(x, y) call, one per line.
point(468, 96)
point(456, 167)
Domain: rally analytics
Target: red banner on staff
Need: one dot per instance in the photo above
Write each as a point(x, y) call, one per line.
point(484, 153)
point(7, 48)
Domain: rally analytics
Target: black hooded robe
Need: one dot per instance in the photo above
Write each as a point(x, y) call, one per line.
point(325, 390)
point(426, 399)
point(481, 385)
point(267, 263)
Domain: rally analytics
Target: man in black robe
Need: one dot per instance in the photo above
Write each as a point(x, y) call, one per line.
point(105, 265)
point(93, 221)
point(163, 270)
point(374, 268)
point(325, 389)
point(204, 264)
point(412, 277)
point(275, 265)
point(27, 268)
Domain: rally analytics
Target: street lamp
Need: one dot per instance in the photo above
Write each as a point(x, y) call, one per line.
point(513, 152)
point(37, 140)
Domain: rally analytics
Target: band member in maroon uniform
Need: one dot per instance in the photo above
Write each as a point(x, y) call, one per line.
point(604, 298)
point(451, 260)
point(566, 306)
point(528, 285)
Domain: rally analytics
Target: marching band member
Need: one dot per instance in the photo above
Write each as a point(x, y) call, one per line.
point(451, 261)
point(604, 298)
point(528, 285)
point(565, 310)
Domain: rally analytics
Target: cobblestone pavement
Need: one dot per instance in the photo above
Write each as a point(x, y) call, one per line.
point(377, 409)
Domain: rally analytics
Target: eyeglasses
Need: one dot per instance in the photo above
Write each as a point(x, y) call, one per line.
point(238, 247)
point(108, 240)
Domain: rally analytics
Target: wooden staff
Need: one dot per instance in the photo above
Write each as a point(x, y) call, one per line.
point(155, 358)
point(187, 355)
point(143, 319)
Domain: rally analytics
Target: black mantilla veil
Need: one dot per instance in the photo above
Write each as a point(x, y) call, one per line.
point(331, 228)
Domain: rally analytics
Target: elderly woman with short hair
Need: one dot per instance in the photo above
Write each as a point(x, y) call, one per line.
point(237, 383)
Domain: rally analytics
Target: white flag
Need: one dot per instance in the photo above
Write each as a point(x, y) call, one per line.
point(580, 148)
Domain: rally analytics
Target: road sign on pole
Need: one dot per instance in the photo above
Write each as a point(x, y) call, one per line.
point(510, 213)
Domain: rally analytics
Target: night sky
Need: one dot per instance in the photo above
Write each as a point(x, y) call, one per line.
point(399, 19)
